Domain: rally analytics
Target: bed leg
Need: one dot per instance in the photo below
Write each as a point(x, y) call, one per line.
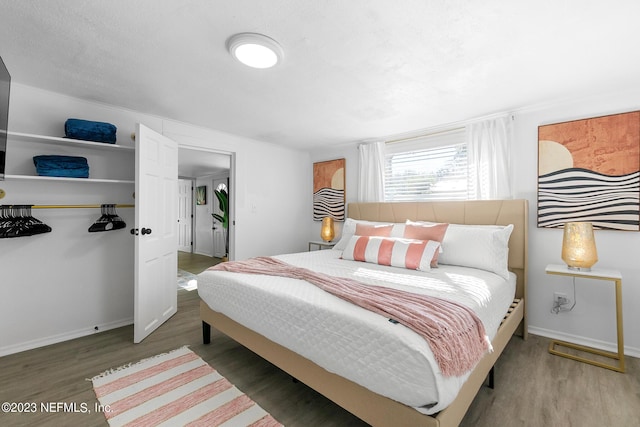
point(491, 377)
point(206, 333)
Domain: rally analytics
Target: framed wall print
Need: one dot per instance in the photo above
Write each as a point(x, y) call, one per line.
point(201, 195)
point(588, 170)
point(328, 190)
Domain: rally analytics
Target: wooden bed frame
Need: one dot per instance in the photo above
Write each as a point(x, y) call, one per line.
point(373, 408)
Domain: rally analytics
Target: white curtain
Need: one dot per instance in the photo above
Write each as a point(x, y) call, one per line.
point(489, 157)
point(371, 168)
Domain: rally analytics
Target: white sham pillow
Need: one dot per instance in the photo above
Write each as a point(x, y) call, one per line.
point(485, 247)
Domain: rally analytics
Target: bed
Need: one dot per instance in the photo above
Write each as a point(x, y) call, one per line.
point(352, 392)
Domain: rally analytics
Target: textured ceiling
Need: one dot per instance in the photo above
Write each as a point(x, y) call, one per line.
point(353, 69)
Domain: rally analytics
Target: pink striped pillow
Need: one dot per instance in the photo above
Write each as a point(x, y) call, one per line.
point(396, 252)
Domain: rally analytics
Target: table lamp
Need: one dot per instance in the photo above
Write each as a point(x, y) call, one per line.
point(326, 232)
point(579, 246)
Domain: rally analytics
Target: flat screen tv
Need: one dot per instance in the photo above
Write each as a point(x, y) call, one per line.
point(5, 85)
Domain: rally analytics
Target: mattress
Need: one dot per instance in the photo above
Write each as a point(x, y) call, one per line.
point(364, 347)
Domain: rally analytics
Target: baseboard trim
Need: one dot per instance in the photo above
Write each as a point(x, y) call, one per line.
point(54, 339)
point(589, 342)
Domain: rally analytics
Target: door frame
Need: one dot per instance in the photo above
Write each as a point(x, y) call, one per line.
point(232, 193)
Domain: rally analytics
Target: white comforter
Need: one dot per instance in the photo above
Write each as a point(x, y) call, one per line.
point(350, 341)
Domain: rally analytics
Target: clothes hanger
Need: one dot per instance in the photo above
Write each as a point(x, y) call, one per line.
point(31, 225)
point(108, 221)
point(17, 221)
point(5, 220)
point(118, 222)
point(12, 222)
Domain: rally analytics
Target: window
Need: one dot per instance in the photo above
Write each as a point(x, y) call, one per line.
point(432, 167)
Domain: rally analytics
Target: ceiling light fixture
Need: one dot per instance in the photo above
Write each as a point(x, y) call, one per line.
point(255, 50)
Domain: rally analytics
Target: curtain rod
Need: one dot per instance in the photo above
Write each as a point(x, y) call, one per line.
point(77, 206)
point(410, 138)
point(450, 128)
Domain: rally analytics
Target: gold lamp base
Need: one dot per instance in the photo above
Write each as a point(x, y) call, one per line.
point(327, 232)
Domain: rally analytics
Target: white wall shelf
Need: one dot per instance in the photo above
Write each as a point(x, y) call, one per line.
point(109, 163)
point(18, 136)
point(74, 180)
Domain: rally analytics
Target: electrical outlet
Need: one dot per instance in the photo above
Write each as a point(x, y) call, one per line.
point(560, 299)
point(561, 303)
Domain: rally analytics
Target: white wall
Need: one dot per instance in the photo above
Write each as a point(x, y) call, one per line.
point(271, 188)
point(592, 322)
point(61, 285)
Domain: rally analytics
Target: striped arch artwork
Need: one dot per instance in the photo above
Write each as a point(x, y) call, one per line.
point(588, 170)
point(328, 190)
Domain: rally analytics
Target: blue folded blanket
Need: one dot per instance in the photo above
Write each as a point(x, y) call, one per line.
point(90, 131)
point(61, 166)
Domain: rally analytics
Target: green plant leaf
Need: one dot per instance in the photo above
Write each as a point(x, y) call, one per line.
point(223, 201)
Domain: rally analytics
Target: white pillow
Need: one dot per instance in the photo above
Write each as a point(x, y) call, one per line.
point(349, 229)
point(478, 246)
point(397, 252)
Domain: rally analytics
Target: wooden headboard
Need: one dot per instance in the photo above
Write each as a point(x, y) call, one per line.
point(486, 212)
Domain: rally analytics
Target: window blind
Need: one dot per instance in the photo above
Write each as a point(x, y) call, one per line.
point(432, 167)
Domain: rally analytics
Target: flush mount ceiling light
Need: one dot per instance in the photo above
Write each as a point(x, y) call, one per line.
point(255, 50)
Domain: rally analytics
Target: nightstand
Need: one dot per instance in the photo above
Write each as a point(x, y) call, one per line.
point(321, 244)
point(598, 274)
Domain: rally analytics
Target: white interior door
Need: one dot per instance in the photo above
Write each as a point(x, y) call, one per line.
point(185, 216)
point(156, 242)
point(219, 243)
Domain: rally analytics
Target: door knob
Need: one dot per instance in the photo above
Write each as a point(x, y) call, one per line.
point(145, 231)
point(134, 231)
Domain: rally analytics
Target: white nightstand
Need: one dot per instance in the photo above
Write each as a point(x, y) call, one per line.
point(321, 244)
point(599, 274)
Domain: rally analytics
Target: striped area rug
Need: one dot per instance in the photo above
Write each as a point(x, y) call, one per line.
point(175, 389)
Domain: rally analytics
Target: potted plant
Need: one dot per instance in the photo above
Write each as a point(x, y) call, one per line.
point(223, 202)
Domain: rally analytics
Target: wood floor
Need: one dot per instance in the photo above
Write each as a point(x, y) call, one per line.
point(533, 387)
point(195, 263)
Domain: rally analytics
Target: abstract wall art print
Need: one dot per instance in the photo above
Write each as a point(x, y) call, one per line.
point(328, 190)
point(201, 195)
point(588, 170)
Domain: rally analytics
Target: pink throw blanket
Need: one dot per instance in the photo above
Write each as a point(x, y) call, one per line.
point(454, 332)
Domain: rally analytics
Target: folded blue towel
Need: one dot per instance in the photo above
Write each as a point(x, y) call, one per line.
point(90, 131)
point(61, 166)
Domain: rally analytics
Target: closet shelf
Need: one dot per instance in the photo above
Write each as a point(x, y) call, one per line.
point(27, 145)
point(62, 179)
point(66, 141)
